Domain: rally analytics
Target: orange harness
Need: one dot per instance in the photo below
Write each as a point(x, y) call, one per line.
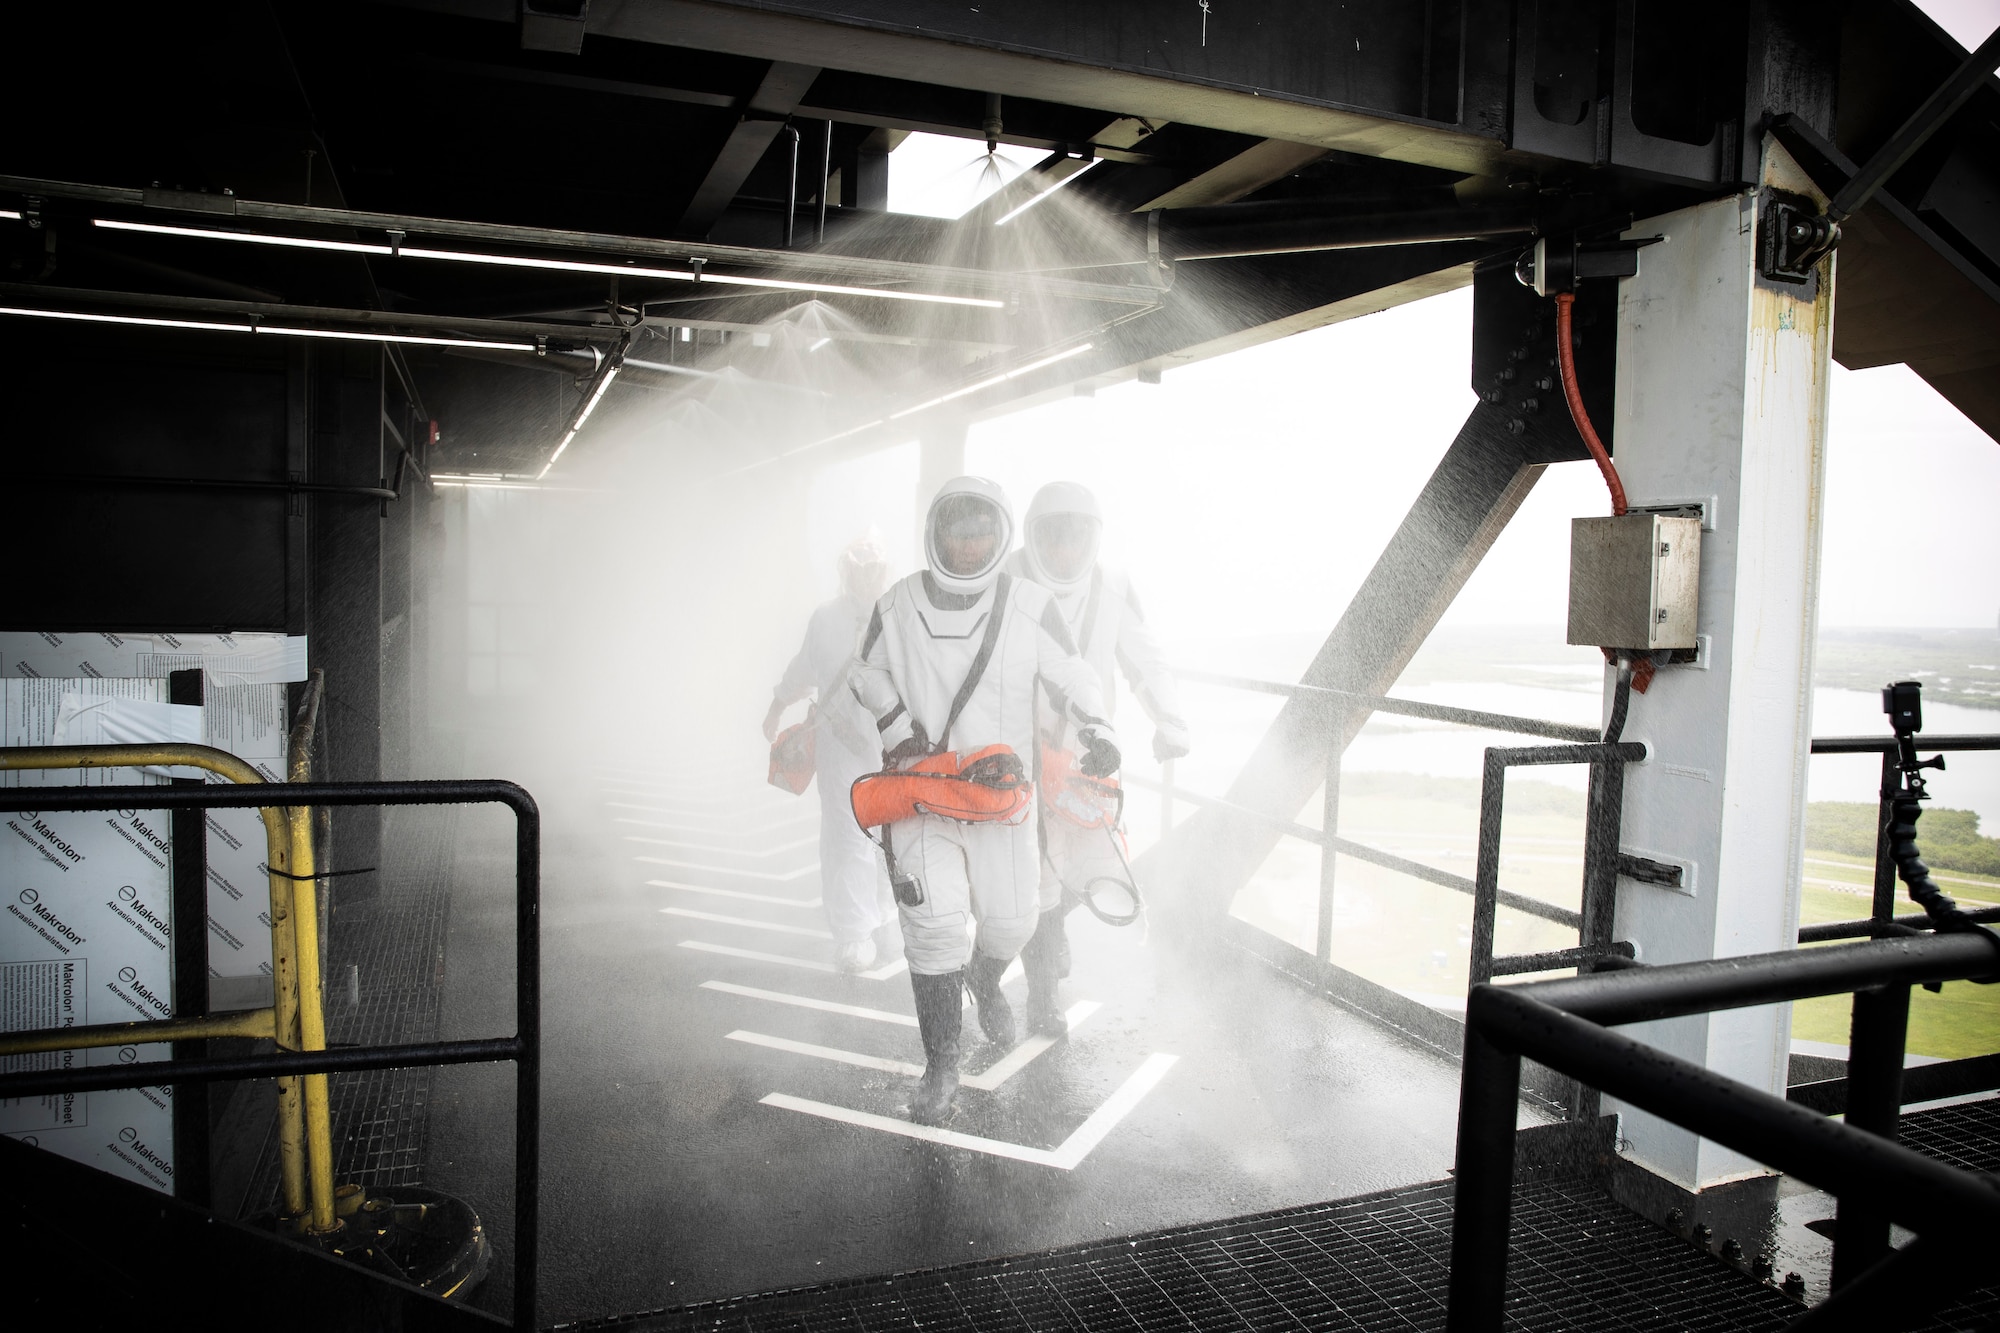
point(986, 786)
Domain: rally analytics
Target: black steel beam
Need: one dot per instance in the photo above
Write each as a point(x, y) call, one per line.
point(776, 97)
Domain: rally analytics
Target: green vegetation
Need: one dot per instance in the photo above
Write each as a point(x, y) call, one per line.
point(1950, 839)
point(1959, 666)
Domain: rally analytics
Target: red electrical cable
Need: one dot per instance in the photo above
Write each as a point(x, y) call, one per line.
point(1566, 360)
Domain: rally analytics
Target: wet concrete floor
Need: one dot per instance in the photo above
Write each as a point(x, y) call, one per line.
point(723, 1113)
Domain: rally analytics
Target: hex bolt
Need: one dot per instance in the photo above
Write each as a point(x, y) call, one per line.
point(1531, 405)
point(1702, 1235)
point(1494, 396)
point(1675, 1217)
point(1545, 384)
point(1795, 1286)
point(1732, 1250)
point(1506, 375)
point(1761, 1266)
point(1516, 426)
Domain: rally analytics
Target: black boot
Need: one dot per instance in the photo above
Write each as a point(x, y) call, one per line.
point(996, 1016)
point(939, 1014)
point(1042, 960)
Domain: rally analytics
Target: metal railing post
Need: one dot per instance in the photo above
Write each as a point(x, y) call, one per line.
point(1330, 825)
point(528, 1060)
point(1486, 878)
point(1885, 869)
point(1489, 1092)
point(1874, 1103)
point(1166, 797)
point(317, 1116)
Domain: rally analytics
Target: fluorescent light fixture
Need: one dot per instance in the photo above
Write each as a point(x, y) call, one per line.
point(610, 374)
point(470, 484)
point(9, 213)
point(1040, 195)
point(821, 343)
point(210, 234)
point(557, 265)
point(213, 326)
point(1016, 373)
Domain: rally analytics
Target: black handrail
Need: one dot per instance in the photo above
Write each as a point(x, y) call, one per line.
point(1564, 1024)
point(1382, 703)
point(523, 1048)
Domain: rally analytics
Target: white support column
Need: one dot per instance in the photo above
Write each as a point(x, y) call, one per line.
point(1722, 395)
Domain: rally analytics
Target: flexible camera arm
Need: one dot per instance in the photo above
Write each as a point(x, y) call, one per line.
point(1903, 702)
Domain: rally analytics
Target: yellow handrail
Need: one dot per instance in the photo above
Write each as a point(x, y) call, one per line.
point(305, 1137)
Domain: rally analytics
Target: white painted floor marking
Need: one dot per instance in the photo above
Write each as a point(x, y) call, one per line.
point(785, 878)
point(807, 1002)
point(708, 825)
point(1067, 1157)
point(986, 1080)
point(1012, 1063)
point(712, 847)
point(828, 1053)
point(811, 965)
point(882, 973)
point(750, 923)
point(734, 893)
point(725, 851)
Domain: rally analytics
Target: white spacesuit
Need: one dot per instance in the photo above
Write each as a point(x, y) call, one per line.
point(853, 886)
point(1101, 611)
point(919, 649)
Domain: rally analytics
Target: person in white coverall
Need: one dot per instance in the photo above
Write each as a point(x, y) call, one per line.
point(853, 887)
point(1059, 552)
point(919, 649)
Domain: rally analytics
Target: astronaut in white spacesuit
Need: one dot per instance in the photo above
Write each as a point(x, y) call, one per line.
point(1059, 552)
point(853, 886)
point(930, 635)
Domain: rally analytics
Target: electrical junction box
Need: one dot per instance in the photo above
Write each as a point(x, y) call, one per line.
point(1634, 581)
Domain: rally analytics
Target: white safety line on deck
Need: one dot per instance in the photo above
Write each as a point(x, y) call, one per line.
point(725, 851)
point(709, 846)
point(734, 893)
point(749, 923)
point(785, 878)
point(808, 1002)
point(700, 807)
point(1067, 1157)
point(986, 1080)
point(887, 1066)
point(882, 973)
point(709, 827)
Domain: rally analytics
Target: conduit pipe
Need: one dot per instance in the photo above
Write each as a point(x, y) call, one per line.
point(305, 1146)
point(1566, 361)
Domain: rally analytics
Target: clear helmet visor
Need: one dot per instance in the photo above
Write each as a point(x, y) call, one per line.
point(1065, 545)
point(968, 536)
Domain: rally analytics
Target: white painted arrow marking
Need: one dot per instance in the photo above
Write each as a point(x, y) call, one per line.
point(1067, 1157)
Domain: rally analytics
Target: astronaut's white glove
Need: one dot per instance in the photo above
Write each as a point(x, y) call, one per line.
point(1101, 758)
point(914, 744)
point(1170, 741)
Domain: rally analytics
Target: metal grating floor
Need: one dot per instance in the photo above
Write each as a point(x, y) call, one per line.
point(1580, 1262)
point(1377, 1262)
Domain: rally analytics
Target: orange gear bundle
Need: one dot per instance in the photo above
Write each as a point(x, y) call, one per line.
point(794, 754)
point(983, 787)
point(1076, 798)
